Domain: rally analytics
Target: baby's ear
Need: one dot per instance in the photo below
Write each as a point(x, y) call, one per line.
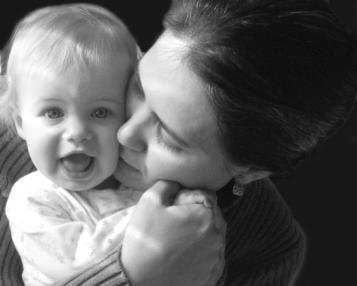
point(18, 125)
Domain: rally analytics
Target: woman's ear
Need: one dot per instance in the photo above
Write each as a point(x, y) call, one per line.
point(251, 174)
point(18, 126)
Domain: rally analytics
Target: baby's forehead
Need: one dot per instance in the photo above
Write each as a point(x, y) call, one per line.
point(107, 78)
point(120, 63)
point(57, 56)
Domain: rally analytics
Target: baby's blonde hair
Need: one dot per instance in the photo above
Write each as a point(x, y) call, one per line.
point(55, 38)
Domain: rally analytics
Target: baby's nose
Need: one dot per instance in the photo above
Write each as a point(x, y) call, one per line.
point(78, 131)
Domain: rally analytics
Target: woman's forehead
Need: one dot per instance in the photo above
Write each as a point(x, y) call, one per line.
point(174, 93)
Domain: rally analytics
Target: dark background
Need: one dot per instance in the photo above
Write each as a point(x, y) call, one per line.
point(320, 192)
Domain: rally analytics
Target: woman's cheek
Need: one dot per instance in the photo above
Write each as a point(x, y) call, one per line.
point(165, 165)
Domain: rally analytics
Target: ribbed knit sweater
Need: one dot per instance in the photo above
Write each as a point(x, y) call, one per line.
point(265, 245)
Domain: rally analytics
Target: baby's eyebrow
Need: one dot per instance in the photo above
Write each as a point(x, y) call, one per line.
point(108, 100)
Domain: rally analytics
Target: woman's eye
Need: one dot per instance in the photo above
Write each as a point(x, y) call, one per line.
point(101, 113)
point(165, 142)
point(53, 113)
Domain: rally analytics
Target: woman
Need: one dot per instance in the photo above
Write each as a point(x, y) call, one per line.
point(237, 91)
point(231, 93)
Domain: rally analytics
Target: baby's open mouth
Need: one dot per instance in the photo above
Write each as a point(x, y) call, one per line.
point(77, 163)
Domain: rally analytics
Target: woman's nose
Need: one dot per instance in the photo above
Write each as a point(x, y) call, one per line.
point(78, 131)
point(132, 134)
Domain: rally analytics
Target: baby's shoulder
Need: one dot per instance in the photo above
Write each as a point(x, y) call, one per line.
point(33, 187)
point(33, 179)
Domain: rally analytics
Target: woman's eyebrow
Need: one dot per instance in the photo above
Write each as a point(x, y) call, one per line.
point(176, 137)
point(137, 81)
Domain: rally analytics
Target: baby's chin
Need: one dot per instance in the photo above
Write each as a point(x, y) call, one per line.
point(77, 185)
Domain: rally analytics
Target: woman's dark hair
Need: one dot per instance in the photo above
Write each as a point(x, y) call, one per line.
point(281, 74)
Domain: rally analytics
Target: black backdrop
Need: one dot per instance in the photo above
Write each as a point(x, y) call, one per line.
point(320, 192)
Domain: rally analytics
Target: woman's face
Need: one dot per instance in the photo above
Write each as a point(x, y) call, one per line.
point(171, 131)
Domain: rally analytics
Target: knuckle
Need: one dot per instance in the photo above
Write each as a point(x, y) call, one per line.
point(149, 197)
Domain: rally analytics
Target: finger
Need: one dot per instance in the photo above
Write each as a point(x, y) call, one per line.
point(195, 217)
point(162, 192)
point(195, 197)
point(208, 199)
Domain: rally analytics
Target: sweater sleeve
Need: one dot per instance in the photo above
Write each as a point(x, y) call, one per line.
point(107, 272)
point(15, 161)
point(280, 272)
point(265, 244)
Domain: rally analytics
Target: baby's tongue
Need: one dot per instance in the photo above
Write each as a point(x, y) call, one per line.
point(76, 162)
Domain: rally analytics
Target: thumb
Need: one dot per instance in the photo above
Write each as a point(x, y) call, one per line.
point(163, 192)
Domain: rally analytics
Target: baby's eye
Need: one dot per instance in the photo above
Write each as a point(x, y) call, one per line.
point(101, 113)
point(53, 113)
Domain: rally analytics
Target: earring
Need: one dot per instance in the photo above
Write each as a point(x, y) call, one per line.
point(238, 187)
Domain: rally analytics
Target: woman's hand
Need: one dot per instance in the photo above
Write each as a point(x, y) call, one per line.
point(171, 245)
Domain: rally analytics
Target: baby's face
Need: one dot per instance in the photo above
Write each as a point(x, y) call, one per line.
point(70, 122)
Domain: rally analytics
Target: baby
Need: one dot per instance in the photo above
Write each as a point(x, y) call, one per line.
point(63, 91)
